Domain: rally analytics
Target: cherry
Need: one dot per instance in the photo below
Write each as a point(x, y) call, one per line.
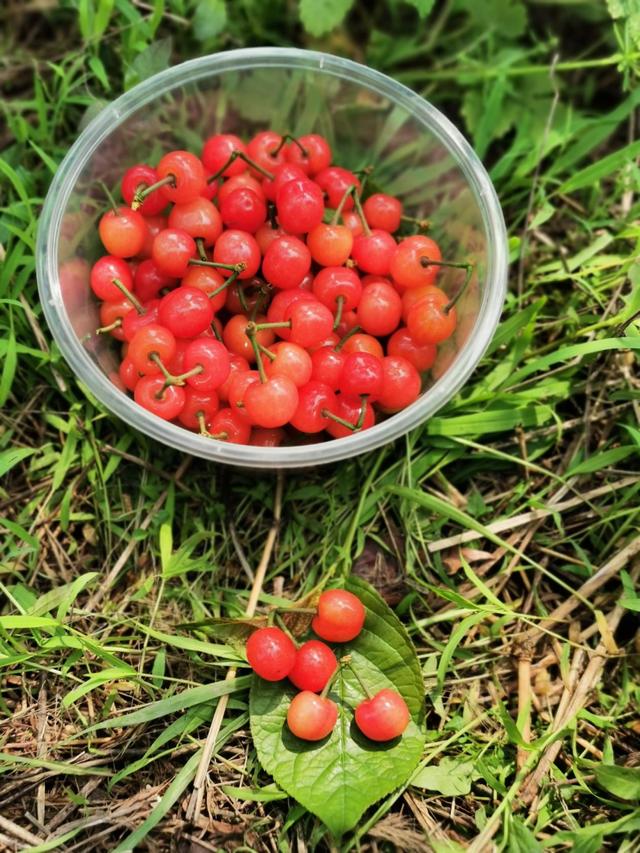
point(199, 408)
point(164, 401)
point(217, 150)
point(400, 384)
point(243, 297)
point(315, 664)
point(227, 425)
point(311, 322)
point(315, 399)
point(335, 181)
point(383, 717)
point(111, 278)
point(186, 311)
point(311, 717)
point(176, 365)
point(311, 153)
point(361, 374)
point(327, 366)
point(188, 178)
point(149, 280)
point(128, 374)
point(271, 653)
point(281, 302)
point(172, 250)
point(141, 176)
point(330, 245)
point(210, 282)
point(414, 295)
point(380, 308)
point(283, 174)
point(433, 319)
point(348, 323)
point(340, 617)
point(265, 149)
point(267, 437)
point(150, 344)
point(122, 232)
point(243, 209)
point(352, 221)
point(360, 342)
point(271, 403)
point(354, 411)
point(236, 340)
point(243, 181)
point(421, 356)
point(372, 252)
point(240, 382)
point(406, 267)
point(213, 357)
point(338, 283)
point(237, 364)
point(383, 211)
point(112, 315)
point(134, 320)
point(300, 206)
point(155, 224)
point(266, 234)
point(199, 218)
point(237, 247)
point(288, 359)
point(286, 262)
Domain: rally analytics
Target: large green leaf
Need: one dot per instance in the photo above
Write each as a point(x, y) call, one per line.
point(338, 778)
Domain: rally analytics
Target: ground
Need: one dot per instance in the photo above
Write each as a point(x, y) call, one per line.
point(113, 547)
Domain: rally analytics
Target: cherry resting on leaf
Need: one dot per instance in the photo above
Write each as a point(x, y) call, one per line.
point(271, 654)
point(383, 717)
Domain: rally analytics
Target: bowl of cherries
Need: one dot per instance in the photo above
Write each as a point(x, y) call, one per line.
point(272, 258)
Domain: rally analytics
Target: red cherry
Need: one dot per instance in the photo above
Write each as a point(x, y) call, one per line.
point(315, 664)
point(311, 717)
point(383, 211)
point(373, 252)
point(253, 292)
point(421, 356)
point(431, 320)
point(187, 171)
point(340, 617)
point(208, 280)
point(267, 437)
point(261, 149)
point(331, 283)
point(317, 156)
point(227, 425)
point(300, 206)
point(237, 364)
point(286, 262)
point(104, 272)
point(311, 322)
point(330, 245)
point(327, 366)
point(240, 382)
point(214, 359)
point(280, 304)
point(128, 374)
point(236, 340)
point(155, 224)
point(363, 343)
point(172, 250)
point(217, 150)
point(265, 236)
point(414, 295)
point(149, 280)
point(122, 232)
point(315, 399)
point(153, 340)
point(243, 181)
point(133, 321)
point(271, 653)
point(237, 247)
point(383, 717)
point(199, 218)
point(361, 374)
point(380, 308)
point(290, 360)
point(243, 209)
point(352, 221)
point(271, 403)
point(165, 402)
point(113, 312)
point(335, 181)
point(350, 409)
point(198, 403)
point(406, 267)
point(400, 384)
point(140, 176)
point(283, 174)
point(186, 311)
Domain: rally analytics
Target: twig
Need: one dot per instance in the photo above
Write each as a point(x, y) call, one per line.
point(195, 803)
point(240, 552)
point(42, 749)
point(18, 832)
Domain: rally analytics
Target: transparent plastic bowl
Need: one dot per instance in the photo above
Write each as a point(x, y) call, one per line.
point(368, 118)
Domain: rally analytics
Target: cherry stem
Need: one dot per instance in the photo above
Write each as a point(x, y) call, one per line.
point(360, 212)
point(216, 332)
point(339, 307)
point(284, 628)
point(219, 436)
point(235, 155)
point(423, 224)
point(343, 341)
point(127, 293)
point(224, 285)
point(285, 324)
point(363, 686)
point(287, 137)
point(251, 332)
point(363, 411)
point(338, 211)
point(266, 351)
point(110, 198)
point(202, 252)
point(140, 195)
point(345, 661)
point(169, 378)
point(103, 330)
point(327, 414)
point(427, 262)
point(202, 424)
point(237, 268)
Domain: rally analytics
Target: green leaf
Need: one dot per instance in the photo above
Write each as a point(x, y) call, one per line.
point(623, 782)
point(153, 59)
point(210, 19)
point(321, 16)
point(629, 10)
point(338, 778)
point(605, 459)
point(601, 169)
point(11, 457)
point(507, 17)
point(452, 778)
point(521, 839)
point(423, 7)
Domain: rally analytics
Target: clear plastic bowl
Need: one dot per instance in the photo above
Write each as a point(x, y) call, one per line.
point(368, 118)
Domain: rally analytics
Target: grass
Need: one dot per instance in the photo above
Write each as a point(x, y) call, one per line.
point(505, 532)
